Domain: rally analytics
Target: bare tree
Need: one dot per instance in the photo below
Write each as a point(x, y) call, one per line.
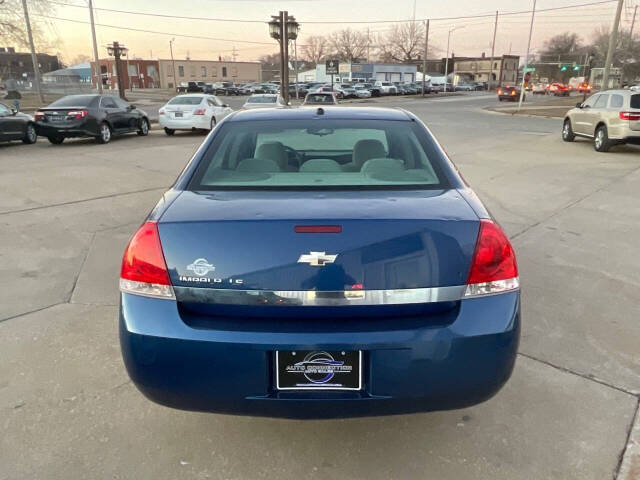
point(403, 43)
point(563, 43)
point(315, 48)
point(13, 31)
point(626, 54)
point(348, 45)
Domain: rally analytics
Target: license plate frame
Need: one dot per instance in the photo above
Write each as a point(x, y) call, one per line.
point(177, 115)
point(321, 370)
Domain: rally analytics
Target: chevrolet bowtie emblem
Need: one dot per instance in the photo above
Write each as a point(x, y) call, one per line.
point(317, 259)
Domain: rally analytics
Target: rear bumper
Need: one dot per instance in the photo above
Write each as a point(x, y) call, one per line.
point(82, 129)
point(414, 369)
point(196, 121)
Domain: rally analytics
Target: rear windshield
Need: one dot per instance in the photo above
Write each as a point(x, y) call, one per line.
point(317, 154)
point(74, 101)
point(319, 98)
point(635, 101)
point(185, 101)
point(261, 100)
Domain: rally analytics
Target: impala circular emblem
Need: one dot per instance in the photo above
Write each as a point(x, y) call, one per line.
point(201, 267)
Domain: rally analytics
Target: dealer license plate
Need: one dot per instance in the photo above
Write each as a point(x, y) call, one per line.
point(319, 370)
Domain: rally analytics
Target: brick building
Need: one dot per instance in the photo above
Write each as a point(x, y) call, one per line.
point(136, 72)
point(18, 65)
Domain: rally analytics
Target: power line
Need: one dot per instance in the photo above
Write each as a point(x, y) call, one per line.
point(199, 37)
point(239, 20)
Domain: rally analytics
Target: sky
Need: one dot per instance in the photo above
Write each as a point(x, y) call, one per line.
point(472, 36)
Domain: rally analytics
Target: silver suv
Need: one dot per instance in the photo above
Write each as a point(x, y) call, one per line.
point(611, 118)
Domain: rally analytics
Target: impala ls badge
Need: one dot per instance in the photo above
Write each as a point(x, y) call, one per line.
point(317, 259)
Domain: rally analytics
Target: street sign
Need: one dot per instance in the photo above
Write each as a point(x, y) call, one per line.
point(529, 69)
point(332, 67)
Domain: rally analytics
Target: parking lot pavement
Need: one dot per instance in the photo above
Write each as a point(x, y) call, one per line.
point(68, 410)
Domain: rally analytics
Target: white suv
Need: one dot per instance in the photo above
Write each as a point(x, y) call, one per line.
point(610, 118)
point(386, 88)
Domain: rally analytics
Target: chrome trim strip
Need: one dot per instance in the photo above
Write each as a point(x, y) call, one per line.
point(316, 298)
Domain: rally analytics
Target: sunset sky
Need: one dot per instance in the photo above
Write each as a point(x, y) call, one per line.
point(472, 37)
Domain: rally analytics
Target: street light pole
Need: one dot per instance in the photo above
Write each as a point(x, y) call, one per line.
point(173, 64)
point(613, 39)
point(284, 28)
point(117, 51)
point(526, 58)
point(446, 63)
point(424, 58)
point(295, 64)
point(285, 41)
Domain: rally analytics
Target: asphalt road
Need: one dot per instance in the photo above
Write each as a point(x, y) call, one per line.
point(68, 409)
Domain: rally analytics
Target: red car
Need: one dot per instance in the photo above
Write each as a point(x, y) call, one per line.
point(509, 93)
point(584, 88)
point(559, 90)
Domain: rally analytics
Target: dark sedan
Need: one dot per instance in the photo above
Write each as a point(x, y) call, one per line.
point(508, 93)
point(15, 125)
point(98, 116)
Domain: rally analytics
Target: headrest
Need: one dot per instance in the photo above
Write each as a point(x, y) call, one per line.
point(257, 165)
point(320, 165)
point(363, 150)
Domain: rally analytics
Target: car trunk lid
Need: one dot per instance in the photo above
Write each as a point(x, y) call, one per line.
point(269, 243)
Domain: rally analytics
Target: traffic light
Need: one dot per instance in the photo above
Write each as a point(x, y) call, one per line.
point(563, 68)
point(576, 68)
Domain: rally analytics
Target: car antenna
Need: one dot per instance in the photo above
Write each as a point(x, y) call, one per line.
point(320, 111)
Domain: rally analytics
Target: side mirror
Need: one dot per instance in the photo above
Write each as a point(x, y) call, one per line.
point(131, 107)
point(225, 104)
point(579, 105)
point(14, 110)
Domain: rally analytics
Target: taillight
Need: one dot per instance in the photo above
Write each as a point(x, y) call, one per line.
point(499, 92)
point(493, 268)
point(160, 112)
point(77, 113)
point(144, 270)
point(38, 116)
point(632, 116)
point(199, 111)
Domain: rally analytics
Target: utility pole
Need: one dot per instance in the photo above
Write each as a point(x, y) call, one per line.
point(368, 44)
point(173, 64)
point(446, 63)
point(613, 39)
point(34, 57)
point(424, 58)
point(526, 58)
point(493, 52)
point(633, 22)
point(96, 58)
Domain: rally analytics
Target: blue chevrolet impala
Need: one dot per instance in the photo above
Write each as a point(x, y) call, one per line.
point(318, 263)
